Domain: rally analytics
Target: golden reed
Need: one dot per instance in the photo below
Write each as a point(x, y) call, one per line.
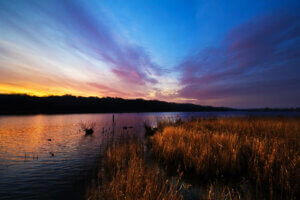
point(264, 150)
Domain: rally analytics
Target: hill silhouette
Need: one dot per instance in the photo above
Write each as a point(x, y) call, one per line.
point(25, 104)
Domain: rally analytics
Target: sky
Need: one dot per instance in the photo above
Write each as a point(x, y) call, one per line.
point(233, 53)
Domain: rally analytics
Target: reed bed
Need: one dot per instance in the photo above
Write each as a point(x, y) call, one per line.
point(125, 175)
point(263, 150)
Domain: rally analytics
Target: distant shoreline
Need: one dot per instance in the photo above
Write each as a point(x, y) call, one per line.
point(83, 113)
point(16, 104)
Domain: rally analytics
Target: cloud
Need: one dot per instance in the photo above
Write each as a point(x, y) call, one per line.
point(67, 32)
point(92, 36)
point(256, 63)
point(62, 46)
point(106, 90)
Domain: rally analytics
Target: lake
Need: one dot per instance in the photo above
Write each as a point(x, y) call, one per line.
point(48, 157)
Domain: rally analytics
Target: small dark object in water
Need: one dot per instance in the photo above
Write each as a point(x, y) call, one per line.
point(127, 127)
point(89, 131)
point(49, 139)
point(149, 131)
point(88, 128)
point(51, 153)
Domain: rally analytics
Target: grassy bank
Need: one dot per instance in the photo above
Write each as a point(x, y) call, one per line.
point(225, 158)
point(125, 175)
point(264, 151)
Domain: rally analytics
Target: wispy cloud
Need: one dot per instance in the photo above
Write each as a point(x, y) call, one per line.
point(90, 35)
point(256, 64)
point(57, 47)
point(78, 35)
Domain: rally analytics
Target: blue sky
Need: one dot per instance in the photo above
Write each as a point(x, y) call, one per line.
point(221, 53)
point(170, 30)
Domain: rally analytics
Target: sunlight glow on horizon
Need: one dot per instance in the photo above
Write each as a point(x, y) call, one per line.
point(195, 52)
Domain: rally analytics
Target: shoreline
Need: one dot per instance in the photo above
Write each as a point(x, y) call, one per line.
point(297, 112)
point(224, 176)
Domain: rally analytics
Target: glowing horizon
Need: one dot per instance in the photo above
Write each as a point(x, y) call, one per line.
point(234, 54)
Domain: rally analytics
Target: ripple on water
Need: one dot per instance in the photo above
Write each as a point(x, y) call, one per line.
point(47, 157)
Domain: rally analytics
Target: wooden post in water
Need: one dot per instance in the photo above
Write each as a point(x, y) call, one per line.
point(113, 125)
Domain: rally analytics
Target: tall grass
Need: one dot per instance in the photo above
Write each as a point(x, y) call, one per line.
point(264, 150)
point(125, 175)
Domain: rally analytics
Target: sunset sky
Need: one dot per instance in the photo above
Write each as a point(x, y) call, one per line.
point(223, 53)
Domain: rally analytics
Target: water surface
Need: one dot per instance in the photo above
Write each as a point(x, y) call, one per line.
point(48, 157)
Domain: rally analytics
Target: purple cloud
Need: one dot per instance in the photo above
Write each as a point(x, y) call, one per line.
point(129, 62)
point(82, 32)
point(106, 90)
point(257, 64)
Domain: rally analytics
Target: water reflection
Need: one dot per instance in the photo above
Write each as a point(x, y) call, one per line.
point(45, 156)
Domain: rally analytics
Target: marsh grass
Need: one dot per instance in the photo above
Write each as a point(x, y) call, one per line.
point(265, 151)
point(125, 175)
point(150, 131)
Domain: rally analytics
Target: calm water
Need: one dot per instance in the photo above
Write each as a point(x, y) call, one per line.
point(48, 157)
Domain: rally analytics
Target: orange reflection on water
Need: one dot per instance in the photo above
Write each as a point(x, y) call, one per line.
point(34, 136)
